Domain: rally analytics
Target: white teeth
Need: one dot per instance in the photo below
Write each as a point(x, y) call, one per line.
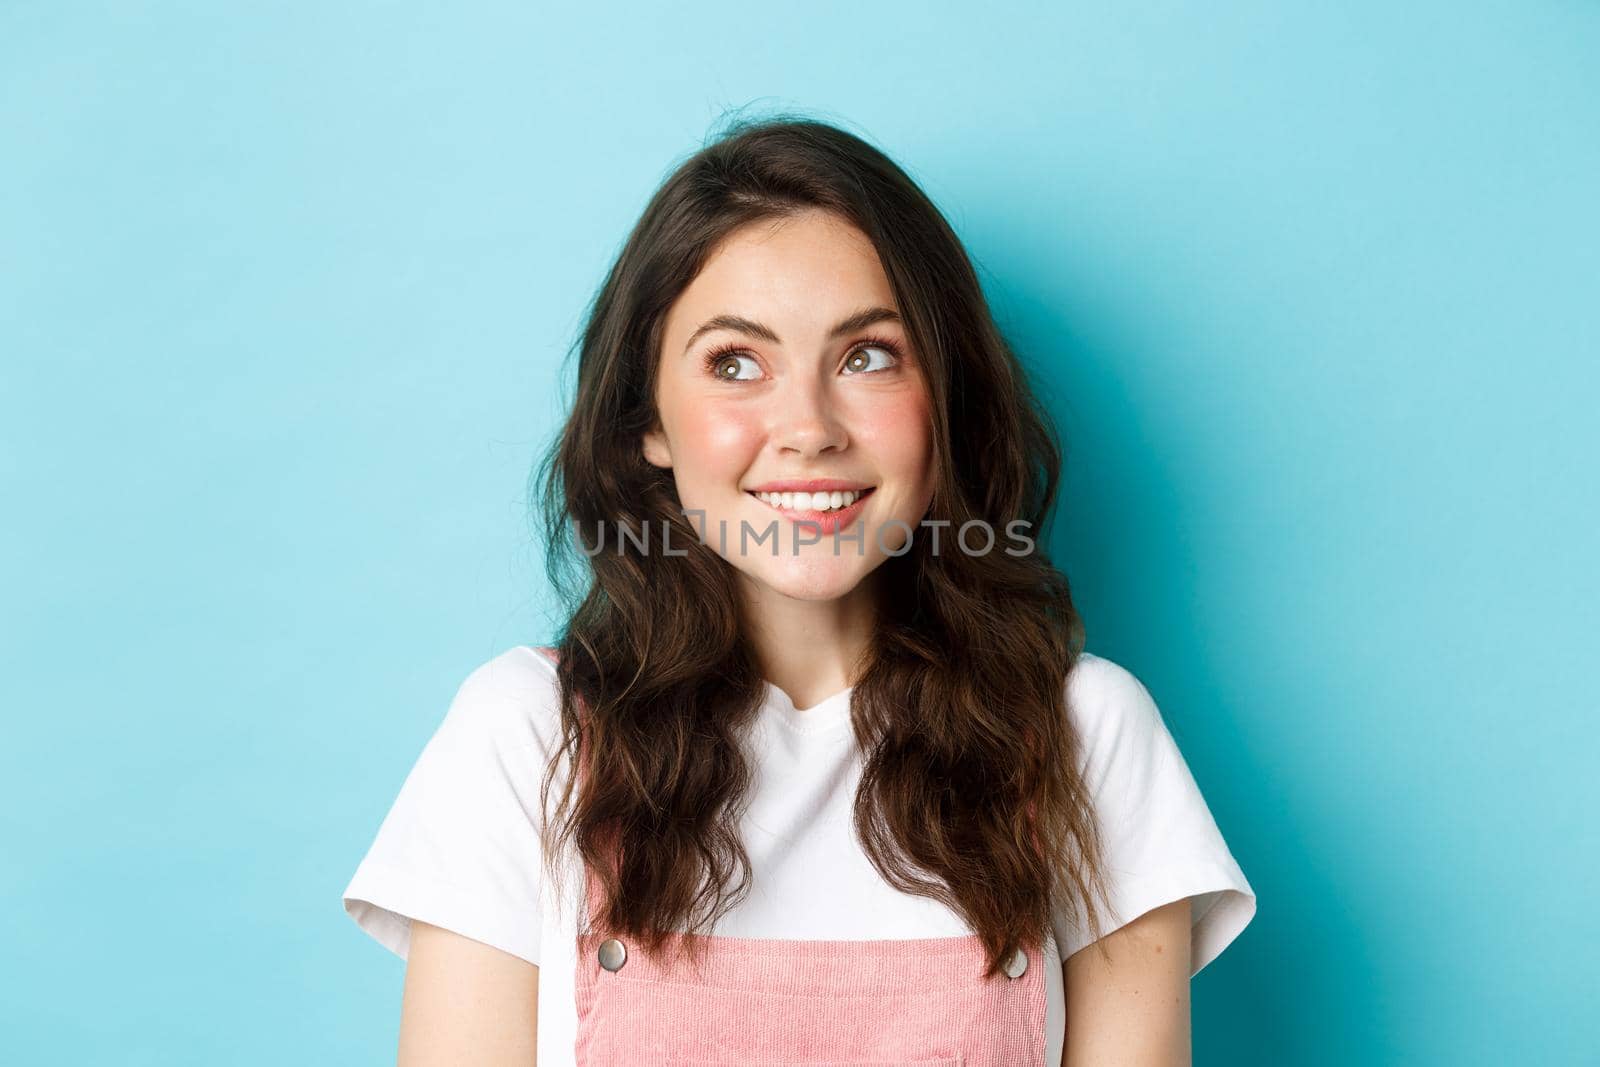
point(811, 501)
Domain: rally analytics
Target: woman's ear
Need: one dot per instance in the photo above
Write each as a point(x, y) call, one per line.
point(654, 447)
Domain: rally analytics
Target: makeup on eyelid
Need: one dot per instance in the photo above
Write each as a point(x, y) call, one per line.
point(730, 348)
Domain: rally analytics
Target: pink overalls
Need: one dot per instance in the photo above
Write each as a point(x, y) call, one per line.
point(918, 1002)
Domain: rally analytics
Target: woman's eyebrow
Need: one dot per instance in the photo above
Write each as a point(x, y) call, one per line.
point(860, 320)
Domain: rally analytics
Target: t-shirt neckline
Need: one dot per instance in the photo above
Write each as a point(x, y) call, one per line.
point(826, 715)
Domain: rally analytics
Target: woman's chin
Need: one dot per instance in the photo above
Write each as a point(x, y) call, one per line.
point(800, 578)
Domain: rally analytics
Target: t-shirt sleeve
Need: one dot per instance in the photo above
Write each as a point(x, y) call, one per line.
point(460, 847)
point(1161, 842)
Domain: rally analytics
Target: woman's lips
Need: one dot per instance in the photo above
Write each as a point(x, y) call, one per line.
point(827, 522)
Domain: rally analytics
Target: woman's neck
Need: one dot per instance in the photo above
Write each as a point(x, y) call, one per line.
point(809, 648)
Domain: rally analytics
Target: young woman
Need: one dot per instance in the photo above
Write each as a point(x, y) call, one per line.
point(818, 771)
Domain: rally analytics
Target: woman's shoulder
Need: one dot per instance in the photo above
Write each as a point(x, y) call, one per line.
point(520, 673)
point(1105, 696)
point(1098, 680)
point(512, 697)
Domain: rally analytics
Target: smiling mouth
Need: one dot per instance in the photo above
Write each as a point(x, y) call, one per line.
point(814, 503)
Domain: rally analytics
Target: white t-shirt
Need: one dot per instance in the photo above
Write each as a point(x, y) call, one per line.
point(460, 847)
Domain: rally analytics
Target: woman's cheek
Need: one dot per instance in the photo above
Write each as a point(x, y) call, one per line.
point(899, 436)
point(726, 439)
point(715, 447)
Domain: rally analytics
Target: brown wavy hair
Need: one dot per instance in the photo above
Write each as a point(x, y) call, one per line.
point(971, 791)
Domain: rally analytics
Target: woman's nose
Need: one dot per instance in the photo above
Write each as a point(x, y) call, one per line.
point(805, 418)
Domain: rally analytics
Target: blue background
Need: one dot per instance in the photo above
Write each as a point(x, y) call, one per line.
point(1313, 290)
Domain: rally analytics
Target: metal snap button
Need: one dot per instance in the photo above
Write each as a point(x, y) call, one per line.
point(612, 954)
point(1017, 964)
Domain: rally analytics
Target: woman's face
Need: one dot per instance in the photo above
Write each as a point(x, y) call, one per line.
point(809, 390)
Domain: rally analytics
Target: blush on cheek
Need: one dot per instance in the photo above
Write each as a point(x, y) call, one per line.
point(722, 439)
point(899, 436)
point(712, 450)
point(726, 431)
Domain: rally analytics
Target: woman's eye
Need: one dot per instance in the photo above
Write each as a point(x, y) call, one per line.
point(726, 367)
point(860, 363)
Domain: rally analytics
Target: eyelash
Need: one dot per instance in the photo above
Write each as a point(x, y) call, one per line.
point(715, 356)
